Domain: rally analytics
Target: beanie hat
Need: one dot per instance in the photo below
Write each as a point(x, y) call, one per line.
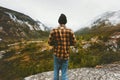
point(62, 19)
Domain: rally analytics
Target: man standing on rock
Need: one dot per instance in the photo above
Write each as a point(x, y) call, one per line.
point(61, 39)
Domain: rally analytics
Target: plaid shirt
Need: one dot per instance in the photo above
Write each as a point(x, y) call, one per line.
point(61, 39)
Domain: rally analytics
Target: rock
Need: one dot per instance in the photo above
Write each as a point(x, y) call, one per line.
point(106, 72)
point(98, 66)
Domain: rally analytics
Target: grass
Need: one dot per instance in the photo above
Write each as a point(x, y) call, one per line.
point(31, 60)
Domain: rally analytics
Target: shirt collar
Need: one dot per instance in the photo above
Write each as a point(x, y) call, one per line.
point(62, 26)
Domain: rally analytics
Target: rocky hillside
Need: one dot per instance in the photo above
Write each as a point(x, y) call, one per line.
point(15, 25)
point(103, 72)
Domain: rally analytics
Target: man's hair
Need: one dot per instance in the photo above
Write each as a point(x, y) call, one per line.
point(62, 19)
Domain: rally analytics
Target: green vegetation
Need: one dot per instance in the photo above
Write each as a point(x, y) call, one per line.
point(31, 57)
point(27, 58)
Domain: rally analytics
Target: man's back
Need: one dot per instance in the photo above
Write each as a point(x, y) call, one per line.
point(61, 39)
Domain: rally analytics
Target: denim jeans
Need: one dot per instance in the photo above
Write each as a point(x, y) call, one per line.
point(60, 65)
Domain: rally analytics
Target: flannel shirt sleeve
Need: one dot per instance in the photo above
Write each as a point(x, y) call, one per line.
point(50, 38)
point(73, 39)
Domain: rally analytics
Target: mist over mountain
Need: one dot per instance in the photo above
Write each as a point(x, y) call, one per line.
point(107, 20)
point(15, 25)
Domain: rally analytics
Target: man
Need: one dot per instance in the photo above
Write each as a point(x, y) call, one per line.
point(61, 39)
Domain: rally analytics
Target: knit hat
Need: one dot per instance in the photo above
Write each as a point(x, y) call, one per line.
point(62, 19)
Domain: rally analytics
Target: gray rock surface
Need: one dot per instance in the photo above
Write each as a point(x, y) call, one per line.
point(105, 72)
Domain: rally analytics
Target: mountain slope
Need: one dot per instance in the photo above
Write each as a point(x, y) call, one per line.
point(104, 31)
point(15, 25)
point(107, 22)
point(108, 18)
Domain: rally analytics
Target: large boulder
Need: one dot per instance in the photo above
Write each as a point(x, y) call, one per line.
point(103, 72)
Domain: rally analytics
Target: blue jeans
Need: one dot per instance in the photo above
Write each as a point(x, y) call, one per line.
point(60, 65)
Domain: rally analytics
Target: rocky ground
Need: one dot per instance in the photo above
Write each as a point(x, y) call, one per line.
point(102, 72)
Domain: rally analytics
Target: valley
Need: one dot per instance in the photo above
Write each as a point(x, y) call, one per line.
point(24, 50)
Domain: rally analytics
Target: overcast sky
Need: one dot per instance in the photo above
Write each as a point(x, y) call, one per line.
point(78, 12)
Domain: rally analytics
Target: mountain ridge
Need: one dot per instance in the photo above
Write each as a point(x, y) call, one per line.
point(15, 25)
point(106, 20)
